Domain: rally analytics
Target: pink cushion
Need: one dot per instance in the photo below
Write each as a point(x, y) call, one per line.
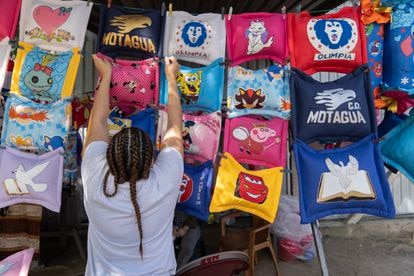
point(17, 264)
point(9, 13)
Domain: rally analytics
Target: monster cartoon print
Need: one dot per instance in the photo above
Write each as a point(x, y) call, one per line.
point(251, 188)
point(249, 98)
point(255, 140)
point(186, 134)
point(39, 80)
point(257, 36)
point(189, 84)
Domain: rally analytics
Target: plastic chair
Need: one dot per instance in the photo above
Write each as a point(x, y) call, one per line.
point(220, 264)
point(251, 240)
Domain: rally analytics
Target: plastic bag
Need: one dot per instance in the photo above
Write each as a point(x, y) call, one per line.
point(295, 240)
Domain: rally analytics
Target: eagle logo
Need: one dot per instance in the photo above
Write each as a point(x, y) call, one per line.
point(128, 22)
point(334, 98)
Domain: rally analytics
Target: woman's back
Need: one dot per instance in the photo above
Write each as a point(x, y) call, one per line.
point(113, 243)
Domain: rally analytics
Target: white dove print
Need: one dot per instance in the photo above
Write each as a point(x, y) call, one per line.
point(24, 178)
point(343, 172)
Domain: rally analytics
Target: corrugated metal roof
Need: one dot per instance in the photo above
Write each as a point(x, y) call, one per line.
point(215, 6)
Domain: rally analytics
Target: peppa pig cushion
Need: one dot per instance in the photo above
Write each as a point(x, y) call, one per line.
point(256, 141)
point(258, 35)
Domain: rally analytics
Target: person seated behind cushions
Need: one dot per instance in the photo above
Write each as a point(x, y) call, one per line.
point(129, 197)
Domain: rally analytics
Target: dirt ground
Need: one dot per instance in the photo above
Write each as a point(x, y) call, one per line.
point(345, 256)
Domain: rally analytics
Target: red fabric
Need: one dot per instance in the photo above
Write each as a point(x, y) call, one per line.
point(336, 44)
point(9, 14)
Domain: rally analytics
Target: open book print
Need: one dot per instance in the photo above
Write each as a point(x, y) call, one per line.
point(344, 182)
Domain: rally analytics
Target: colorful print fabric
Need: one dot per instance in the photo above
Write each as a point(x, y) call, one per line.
point(44, 75)
point(258, 92)
point(200, 39)
point(375, 49)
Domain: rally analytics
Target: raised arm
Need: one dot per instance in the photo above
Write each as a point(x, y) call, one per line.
point(173, 136)
point(98, 126)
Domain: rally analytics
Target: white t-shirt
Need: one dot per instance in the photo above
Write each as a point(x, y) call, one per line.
point(113, 237)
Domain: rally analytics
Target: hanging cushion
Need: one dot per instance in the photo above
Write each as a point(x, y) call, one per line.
point(256, 192)
point(375, 50)
point(333, 42)
point(397, 147)
point(398, 49)
point(201, 89)
point(258, 35)
point(134, 84)
point(195, 190)
point(30, 178)
point(340, 110)
point(390, 3)
point(81, 110)
point(5, 50)
point(70, 162)
point(262, 92)
point(201, 134)
point(30, 125)
point(144, 120)
point(44, 75)
point(9, 14)
point(17, 264)
point(200, 39)
point(54, 24)
point(390, 121)
point(256, 141)
point(342, 181)
point(129, 32)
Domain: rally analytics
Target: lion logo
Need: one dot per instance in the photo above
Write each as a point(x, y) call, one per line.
point(194, 34)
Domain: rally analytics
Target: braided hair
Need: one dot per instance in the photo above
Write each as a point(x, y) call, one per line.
point(129, 155)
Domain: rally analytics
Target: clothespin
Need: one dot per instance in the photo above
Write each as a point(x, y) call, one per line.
point(355, 3)
point(170, 9)
point(298, 8)
point(109, 3)
point(163, 9)
point(286, 171)
point(223, 9)
point(89, 2)
point(283, 10)
point(230, 13)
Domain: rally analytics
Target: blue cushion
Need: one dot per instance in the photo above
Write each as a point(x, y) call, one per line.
point(342, 181)
point(375, 50)
point(195, 190)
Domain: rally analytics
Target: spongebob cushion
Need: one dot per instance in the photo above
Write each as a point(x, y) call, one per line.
point(256, 141)
point(256, 192)
point(54, 24)
point(340, 110)
point(44, 75)
point(342, 181)
point(201, 89)
point(201, 134)
point(399, 49)
point(129, 32)
point(134, 84)
point(397, 147)
point(144, 120)
point(259, 35)
point(375, 50)
point(333, 42)
point(9, 14)
point(30, 125)
point(18, 263)
point(195, 190)
point(30, 178)
point(261, 92)
point(200, 39)
point(5, 50)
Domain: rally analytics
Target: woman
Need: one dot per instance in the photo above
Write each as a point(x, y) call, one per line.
point(129, 198)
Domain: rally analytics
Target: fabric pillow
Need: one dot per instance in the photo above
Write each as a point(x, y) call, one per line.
point(54, 24)
point(375, 50)
point(397, 147)
point(9, 14)
point(398, 49)
point(144, 120)
point(81, 109)
point(342, 181)
point(201, 89)
point(30, 178)
point(390, 121)
point(5, 50)
point(340, 110)
point(200, 39)
point(129, 32)
point(258, 35)
point(256, 141)
point(201, 134)
point(261, 92)
point(195, 191)
point(256, 192)
point(30, 125)
point(333, 42)
point(44, 75)
point(18, 263)
point(134, 84)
